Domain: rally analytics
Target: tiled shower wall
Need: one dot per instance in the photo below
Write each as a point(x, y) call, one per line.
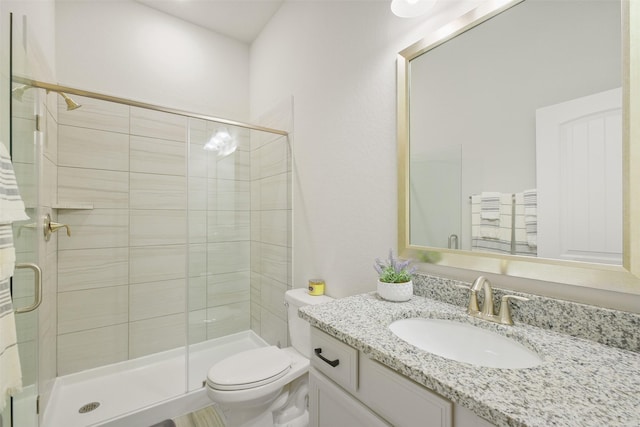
point(271, 211)
point(122, 189)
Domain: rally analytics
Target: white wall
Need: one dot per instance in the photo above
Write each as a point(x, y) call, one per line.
point(123, 48)
point(337, 59)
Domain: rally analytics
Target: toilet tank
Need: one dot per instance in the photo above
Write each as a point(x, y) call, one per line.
point(299, 329)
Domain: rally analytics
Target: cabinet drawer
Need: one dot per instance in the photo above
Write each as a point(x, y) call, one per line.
point(399, 400)
point(331, 406)
point(335, 359)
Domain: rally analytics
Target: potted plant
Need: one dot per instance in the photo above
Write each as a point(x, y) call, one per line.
point(394, 279)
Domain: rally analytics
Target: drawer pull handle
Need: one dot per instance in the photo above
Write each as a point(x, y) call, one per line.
point(333, 363)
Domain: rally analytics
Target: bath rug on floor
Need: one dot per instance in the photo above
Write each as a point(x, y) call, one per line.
point(206, 417)
point(165, 423)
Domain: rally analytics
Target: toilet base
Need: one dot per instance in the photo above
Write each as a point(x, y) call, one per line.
point(289, 409)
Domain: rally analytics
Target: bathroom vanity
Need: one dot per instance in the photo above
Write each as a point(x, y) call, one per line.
point(362, 392)
point(381, 380)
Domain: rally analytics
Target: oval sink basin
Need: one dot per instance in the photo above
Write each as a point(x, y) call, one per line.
point(463, 342)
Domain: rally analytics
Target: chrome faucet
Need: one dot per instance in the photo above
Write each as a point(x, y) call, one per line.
point(487, 312)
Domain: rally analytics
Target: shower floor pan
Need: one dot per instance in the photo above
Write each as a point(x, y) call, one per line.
point(142, 391)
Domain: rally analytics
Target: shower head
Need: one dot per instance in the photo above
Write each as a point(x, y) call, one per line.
point(71, 104)
point(17, 92)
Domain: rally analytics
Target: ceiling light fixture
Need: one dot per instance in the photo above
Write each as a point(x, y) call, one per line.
point(411, 8)
point(222, 142)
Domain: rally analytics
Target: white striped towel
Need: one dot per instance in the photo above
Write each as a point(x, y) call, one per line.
point(522, 246)
point(490, 205)
point(531, 216)
point(10, 370)
point(11, 209)
point(7, 252)
point(11, 205)
point(501, 243)
point(500, 229)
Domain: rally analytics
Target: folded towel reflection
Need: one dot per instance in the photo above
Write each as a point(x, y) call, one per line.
point(11, 209)
point(490, 205)
point(491, 235)
point(531, 216)
point(11, 204)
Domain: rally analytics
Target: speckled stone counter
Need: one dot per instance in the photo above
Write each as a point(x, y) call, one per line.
point(580, 382)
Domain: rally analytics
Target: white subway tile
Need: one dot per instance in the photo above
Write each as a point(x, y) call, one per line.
point(274, 262)
point(235, 166)
point(78, 351)
point(197, 226)
point(92, 268)
point(273, 329)
point(228, 226)
point(95, 228)
point(274, 192)
point(228, 319)
point(197, 290)
point(156, 299)
point(228, 288)
point(197, 326)
point(198, 193)
point(92, 308)
point(151, 191)
point(272, 297)
point(228, 195)
point(198, 260)
point(228, 257)
point(157, 334)
point(93, 149)
point(274, 227)
point(101, 188)
point(158, 124)
point(151, 263)
point(158, 227)
point(154, 155)
point(95, 114)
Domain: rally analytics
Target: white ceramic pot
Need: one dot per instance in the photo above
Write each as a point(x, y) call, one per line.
point(395, 291)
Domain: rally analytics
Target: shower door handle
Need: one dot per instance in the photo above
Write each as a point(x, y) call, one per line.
point(37, 287)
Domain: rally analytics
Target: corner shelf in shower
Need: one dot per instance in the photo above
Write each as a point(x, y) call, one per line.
point(73, 206)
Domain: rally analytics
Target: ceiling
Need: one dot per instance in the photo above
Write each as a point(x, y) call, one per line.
point(239, 19)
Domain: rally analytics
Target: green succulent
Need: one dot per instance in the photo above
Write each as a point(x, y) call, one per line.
point(392, 270)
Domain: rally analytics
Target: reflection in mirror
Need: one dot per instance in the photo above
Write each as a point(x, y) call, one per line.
point(515, 135)
point(496, 109)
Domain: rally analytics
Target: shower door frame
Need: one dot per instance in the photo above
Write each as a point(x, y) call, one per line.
point(73, 91)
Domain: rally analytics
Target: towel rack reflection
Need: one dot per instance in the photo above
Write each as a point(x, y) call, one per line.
point(453, 241)
point(37, 287)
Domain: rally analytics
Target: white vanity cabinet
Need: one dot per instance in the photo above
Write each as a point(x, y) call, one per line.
point(349, 389)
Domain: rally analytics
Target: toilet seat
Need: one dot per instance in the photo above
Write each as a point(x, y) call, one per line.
point(249, 369)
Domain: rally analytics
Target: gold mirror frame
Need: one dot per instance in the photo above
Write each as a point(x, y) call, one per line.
point(625, 278)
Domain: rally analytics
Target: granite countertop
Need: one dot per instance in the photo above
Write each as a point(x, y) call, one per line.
point(579, 383)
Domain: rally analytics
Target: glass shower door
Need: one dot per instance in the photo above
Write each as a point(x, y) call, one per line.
point(24, 149)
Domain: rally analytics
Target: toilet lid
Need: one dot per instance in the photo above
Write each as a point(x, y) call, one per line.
point(248, 369)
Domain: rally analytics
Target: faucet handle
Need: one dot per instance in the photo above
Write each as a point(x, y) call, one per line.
point(505, 309)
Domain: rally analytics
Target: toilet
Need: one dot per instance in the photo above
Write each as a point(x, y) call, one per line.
point(268, 386)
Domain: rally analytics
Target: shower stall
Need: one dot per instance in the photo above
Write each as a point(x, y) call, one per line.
point(164, 240)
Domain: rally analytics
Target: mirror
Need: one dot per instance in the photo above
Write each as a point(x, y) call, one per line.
point(514, 143)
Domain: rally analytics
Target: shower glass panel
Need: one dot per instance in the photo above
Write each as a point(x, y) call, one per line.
point(23, 153)
point(26, 148)
point(179, 234)
point(239, 244)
